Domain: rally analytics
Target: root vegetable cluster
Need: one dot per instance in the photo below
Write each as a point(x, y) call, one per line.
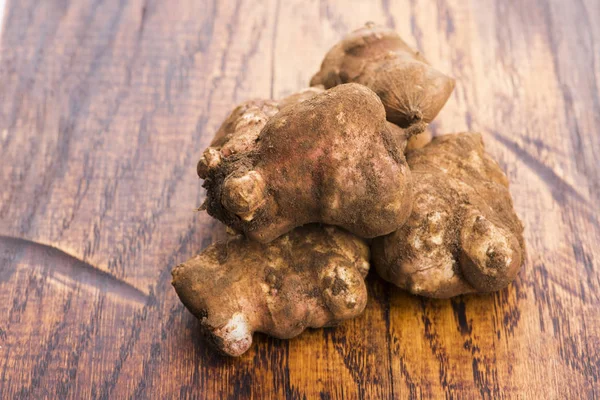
point(318, 186)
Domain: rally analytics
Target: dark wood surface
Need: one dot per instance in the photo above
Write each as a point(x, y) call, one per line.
point(105, 106)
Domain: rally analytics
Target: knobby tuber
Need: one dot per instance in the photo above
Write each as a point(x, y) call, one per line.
point(412, 91)
point(462, 235)
point(239, 131)
point(332, 159)
point(309, 278)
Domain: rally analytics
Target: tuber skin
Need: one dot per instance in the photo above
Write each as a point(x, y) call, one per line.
point(331, 159)
point(310, 278)
point(412, 91)
point(418, 141)
point(463, 235)
point(239, 131)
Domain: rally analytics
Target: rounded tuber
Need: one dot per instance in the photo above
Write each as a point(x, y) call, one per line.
point(309, 278)
point(463, 234)
point(332, 159)
point(412, 91)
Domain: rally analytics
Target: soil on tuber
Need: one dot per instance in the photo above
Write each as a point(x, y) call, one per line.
point(310, 278)
point(463, 234)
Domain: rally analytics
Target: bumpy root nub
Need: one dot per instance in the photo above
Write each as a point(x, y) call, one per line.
point(242, 195)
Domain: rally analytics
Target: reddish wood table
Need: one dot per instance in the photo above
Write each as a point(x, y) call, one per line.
point(105, 107)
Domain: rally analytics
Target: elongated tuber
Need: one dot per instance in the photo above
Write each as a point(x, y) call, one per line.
point(412, 91)
point(309, 278)
point(463, 234)
point(331, 159)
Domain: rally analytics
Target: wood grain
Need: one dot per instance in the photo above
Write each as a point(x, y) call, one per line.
point(105, 105)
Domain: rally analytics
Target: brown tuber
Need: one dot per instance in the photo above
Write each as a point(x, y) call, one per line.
point(330, 159)
point(239, 131)
point(412, 91)
point(463, 235)
point(309, 278)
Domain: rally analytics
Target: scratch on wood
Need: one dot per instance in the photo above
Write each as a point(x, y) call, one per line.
point(143, 19)
point(72, 272)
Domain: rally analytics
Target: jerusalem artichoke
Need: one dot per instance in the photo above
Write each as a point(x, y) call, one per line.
point(331, 159)
point(412, 91)
point(463, 234)
point(309, 278)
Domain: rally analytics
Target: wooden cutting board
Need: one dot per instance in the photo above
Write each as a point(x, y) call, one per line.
point(105, 106)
